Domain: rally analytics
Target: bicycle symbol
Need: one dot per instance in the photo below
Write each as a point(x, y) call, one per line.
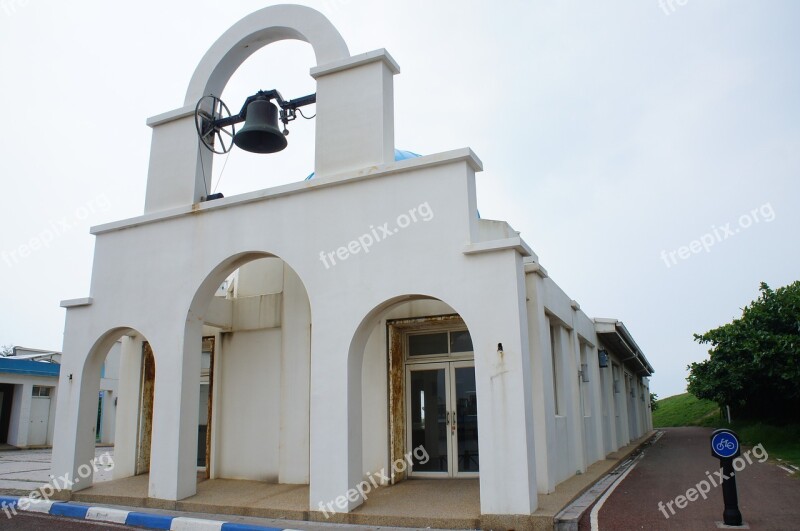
point(725, 444)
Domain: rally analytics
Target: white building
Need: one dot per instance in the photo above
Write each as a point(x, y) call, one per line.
point(336, 347)
point(28, 379)
point(28, 385)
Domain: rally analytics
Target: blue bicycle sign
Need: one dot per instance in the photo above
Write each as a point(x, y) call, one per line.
point(724, 444)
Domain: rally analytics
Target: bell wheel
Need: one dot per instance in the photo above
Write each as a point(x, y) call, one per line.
point(216, 138)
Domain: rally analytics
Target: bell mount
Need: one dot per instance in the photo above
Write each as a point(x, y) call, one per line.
point(217, 128)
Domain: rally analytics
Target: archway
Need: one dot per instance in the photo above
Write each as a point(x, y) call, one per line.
point(116, 393)
point(419, 395)
point(254, 413)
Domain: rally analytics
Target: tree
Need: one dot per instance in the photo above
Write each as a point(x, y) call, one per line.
point(754, 363)
point(653, 401)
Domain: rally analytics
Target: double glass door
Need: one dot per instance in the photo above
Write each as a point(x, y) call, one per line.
point(443, 418)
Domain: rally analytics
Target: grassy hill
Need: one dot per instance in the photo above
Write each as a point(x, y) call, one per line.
point(781, 442)
point(685, 410)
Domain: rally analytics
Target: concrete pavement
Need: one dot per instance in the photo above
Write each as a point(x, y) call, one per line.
point(22, 471)
point(417, 503)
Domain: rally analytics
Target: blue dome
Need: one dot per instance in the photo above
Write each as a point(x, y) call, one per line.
point(399, 154)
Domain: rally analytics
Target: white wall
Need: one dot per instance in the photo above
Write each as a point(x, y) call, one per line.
point(109, 383)
point(248, 412)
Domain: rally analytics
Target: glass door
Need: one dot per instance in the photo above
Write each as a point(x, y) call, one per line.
point(428, 407)
point(464, 425)
point(443, 418)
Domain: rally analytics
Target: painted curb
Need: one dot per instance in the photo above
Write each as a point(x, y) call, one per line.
point(11, 505)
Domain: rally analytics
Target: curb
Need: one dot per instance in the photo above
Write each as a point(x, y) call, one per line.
point(10, 505)
point(569, 517)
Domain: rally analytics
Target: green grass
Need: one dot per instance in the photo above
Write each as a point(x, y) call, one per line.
point(780, 442)
point(685, 410)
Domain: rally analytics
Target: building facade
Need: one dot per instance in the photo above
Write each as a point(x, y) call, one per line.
point(260, 340)
point(28, 390)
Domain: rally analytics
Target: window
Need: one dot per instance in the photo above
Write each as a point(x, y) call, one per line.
point(427, 344)
point(439, 343)
point(556, 369)
point(41, 391)
point(585, 385)
point(460, 341)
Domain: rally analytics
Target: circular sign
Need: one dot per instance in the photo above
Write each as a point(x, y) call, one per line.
point(724, 444)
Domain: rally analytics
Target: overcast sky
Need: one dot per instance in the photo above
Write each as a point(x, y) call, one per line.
point(612, 136)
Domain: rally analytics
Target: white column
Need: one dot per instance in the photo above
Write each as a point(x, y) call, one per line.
point(505, 396)
point(295, 367)
point(20, 415)
point(565, 343)
point(355, 113)
point(623, 407)
point(173, 462)
point(78, 388)
point(179, 171)
point(127, 422)
point(336, 464)
point(542, 385)
point(595, 394)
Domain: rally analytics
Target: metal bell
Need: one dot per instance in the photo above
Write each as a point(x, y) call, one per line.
point(260, 133)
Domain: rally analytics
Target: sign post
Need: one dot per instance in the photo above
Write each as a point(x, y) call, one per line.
point(725, 447)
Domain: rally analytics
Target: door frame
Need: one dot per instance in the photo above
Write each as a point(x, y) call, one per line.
point(397, 334)
point(451, 399)
point(431, 366)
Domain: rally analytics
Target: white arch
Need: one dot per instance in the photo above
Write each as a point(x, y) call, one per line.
point(253, 32)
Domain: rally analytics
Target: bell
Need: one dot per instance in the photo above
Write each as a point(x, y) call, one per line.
point(260, 133)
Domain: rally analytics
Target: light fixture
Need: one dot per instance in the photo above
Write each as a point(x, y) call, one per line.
point(602, 356)
point(216, 128)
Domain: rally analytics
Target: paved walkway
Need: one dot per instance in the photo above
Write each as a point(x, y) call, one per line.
point(418, 503)
point(769, 497)
point(22, 471)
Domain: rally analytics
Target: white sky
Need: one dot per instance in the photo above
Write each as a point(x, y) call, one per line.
point(609, 133)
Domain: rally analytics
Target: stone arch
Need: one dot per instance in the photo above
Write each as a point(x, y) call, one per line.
point(253, 32)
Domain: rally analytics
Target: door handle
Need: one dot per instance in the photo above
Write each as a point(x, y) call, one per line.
point(453, 424)
point(447, 418)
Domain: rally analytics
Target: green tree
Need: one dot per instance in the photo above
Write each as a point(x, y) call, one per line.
point(653, 401)
point(754, 363)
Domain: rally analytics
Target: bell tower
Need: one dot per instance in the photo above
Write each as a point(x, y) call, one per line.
point(355, 105)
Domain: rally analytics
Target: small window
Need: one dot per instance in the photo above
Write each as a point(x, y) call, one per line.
point(427, 344)
point(439, 343)
point(41, 391)
point(460, 341)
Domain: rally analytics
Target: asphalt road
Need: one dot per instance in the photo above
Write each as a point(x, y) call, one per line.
point(769, 497)
point(35, 522)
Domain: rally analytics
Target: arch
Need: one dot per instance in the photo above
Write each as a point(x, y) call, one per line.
point(126, 449)
point(102, 345)
point(257, 30)
point(253, 351)
point(358, 363)
point(205, 291)
point(372, 318)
